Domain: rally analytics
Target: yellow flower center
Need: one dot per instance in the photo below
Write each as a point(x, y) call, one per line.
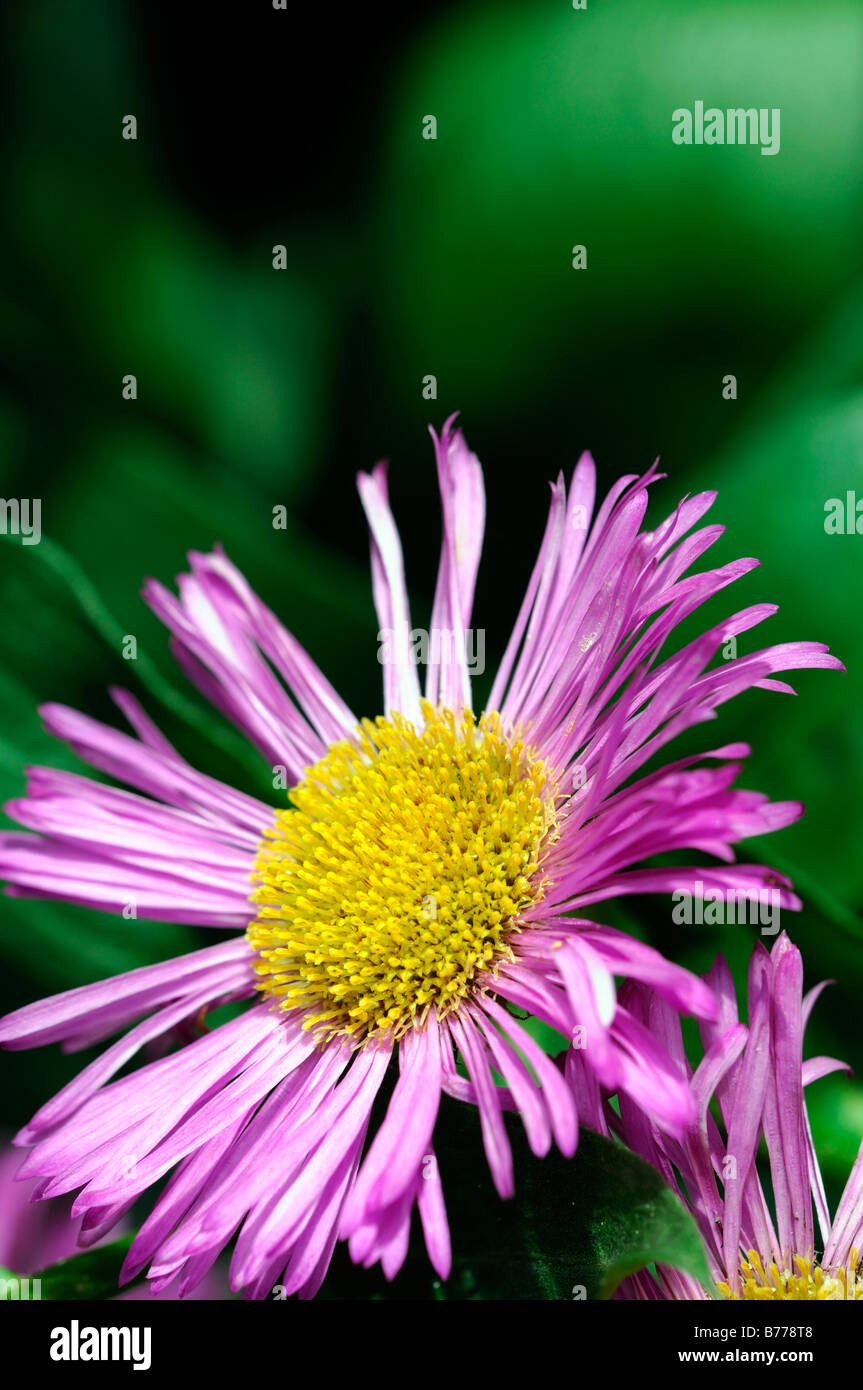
point(806, 1282)
point(396, 882)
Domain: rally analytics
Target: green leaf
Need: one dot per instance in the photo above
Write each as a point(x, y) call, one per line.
point(196, 714)
point(93, 1275)
point(574, 1223)
point(577, 1223)
point(551, 122)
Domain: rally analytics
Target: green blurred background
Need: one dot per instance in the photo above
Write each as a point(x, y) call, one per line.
point(407, 258)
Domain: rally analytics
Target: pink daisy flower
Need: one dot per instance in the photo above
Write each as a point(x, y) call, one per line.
point(757, 1077)
point(430, 874)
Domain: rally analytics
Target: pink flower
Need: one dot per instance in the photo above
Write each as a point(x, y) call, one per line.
point(425, 880)
point(31, 1236)
point(757, 1076)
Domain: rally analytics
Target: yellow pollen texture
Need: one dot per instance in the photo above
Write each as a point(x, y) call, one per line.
point(806, 1282)
point(397, 878)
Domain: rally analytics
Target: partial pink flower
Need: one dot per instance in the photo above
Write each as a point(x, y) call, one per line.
point(758, 1249)
point(36, 1235)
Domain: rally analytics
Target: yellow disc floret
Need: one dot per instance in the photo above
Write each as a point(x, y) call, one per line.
point(396, 881)
point(805, 1282)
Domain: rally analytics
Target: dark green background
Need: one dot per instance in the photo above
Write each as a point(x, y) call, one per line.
point(409, 257)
